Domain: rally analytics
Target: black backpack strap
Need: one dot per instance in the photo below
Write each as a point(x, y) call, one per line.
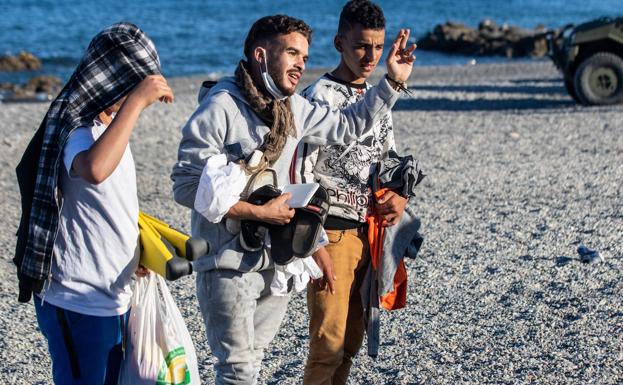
point(208, 83)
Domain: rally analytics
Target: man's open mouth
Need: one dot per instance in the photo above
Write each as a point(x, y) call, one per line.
point(294, 77)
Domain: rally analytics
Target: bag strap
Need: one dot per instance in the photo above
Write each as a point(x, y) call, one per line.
point(250, 187)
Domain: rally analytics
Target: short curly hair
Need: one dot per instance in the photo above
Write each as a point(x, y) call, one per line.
point(268, 27)
point(363, 12)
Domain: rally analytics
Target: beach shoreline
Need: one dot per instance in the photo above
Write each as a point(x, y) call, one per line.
point(518, 176)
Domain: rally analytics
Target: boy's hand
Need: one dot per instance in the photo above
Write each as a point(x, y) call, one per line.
point(325, 263)
point(400, 58)
point(102, 158)
point(149, 90)
point(277, 211)
point(391, 206)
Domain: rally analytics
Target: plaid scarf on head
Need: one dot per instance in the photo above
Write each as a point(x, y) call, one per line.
point(117, 59)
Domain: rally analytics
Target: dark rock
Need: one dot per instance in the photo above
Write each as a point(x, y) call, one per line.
point(9, 87)
point(24, 61)
point(39, 88)
point(46, 84)
point(452, 37)
point(489, 39)
point(487, 25)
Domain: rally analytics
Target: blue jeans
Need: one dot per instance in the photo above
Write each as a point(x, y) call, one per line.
point(85, 350)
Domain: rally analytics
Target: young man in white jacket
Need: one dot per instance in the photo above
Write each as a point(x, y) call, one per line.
point(258, 109)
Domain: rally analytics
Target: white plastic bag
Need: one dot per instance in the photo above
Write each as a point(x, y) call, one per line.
point(159, 348)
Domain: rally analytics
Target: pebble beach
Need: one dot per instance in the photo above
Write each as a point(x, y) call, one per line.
point(518, 177)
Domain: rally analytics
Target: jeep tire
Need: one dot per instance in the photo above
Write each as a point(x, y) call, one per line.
point(570, 88)
point(599, 79)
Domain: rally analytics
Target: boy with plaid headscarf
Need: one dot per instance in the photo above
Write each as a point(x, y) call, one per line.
point(78, 232)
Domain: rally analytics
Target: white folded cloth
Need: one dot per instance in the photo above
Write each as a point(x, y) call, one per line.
point(301, 270)
point(220, 186)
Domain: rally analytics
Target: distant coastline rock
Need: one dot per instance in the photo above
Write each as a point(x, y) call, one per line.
point(45, 83)
point(39, 88)
point(490, 39)
point(24, 61)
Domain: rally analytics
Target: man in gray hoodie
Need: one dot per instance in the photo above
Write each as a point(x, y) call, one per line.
point(258, 109)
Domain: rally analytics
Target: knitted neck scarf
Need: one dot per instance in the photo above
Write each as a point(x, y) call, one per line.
point(276, 114)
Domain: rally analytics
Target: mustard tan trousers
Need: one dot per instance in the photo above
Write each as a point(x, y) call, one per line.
point(336, 325)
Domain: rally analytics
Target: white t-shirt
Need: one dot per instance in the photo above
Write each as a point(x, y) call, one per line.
point(94, 251)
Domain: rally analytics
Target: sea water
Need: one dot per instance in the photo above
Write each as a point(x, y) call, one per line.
point(203, 37)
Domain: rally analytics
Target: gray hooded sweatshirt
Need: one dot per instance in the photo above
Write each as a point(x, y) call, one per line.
point(224, 123)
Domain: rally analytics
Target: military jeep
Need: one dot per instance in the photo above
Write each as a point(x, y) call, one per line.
point(590, 57)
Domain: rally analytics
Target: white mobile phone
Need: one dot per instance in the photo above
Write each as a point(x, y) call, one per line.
point(301, 193)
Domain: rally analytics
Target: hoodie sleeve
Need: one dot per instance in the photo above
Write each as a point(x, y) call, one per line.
point(202, 137)
point(390, 144)
point(306, 155)
point(305, 159)
point(325, 125)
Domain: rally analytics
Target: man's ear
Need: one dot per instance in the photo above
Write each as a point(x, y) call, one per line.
point(337, 43)
point(259, 54)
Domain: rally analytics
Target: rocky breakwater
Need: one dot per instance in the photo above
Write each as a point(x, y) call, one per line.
point(38, 88)
point(489, 39)
point(24, 61)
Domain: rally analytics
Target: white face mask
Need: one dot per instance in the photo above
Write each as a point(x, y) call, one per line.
point(269, 83)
